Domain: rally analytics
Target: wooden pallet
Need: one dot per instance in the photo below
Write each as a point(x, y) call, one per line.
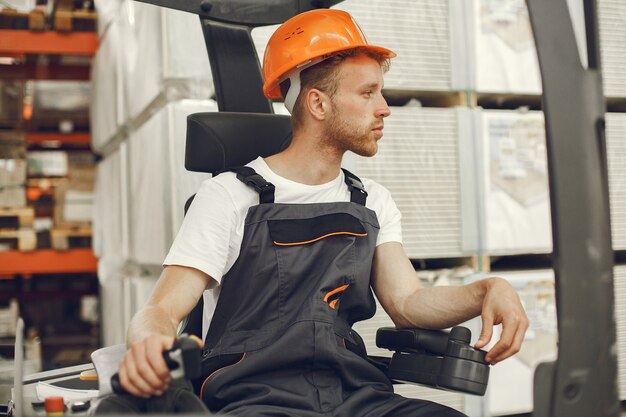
point(20, 239)
point(63, 238)
point(12, 19)
point(68, 19)
point(15, 218)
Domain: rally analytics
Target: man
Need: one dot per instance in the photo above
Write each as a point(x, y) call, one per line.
point(295, 268)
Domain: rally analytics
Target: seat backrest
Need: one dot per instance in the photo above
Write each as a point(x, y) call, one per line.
point(216, 141)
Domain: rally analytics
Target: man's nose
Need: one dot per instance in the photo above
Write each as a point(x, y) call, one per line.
point(384, 110)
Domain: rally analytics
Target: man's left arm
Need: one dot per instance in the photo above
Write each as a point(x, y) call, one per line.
point(401, 294)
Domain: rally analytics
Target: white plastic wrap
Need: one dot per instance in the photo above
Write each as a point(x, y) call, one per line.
point(506, 58)
point(114, 323)
point(111, 72)
point(65, 96)
point(620, 316)
point(159, 183)
point(510, 389)
point(418, 162)
point(612, 27)
point(517, 202)
point(20, 5)
point(417, 31)
point(107, 12)
point(171, 62)
point(108, 218)
point(616, 155)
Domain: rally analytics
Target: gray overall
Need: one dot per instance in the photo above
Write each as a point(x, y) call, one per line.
point(280, 342)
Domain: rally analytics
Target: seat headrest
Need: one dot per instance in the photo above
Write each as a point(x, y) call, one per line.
point(220, 140)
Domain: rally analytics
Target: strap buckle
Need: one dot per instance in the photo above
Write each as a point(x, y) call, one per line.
point(256, 181)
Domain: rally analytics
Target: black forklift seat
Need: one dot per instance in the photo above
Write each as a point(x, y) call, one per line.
point(216, 141)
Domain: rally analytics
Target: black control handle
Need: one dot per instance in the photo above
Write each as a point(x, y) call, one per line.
point(183, 360)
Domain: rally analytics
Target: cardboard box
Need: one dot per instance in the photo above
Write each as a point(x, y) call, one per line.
point(12, 182)
point(47, 163)
point(73, 207)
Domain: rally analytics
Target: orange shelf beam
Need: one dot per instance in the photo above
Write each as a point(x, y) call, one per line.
point(48, 261)
point(54, 43)
point(57, 140)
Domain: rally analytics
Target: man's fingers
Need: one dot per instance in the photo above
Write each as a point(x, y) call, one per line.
point(133, 382)
point(130, 388)
point(157, 363)
point(516, 344)
point(144, 370)
point(486, 332)
point(507, 345)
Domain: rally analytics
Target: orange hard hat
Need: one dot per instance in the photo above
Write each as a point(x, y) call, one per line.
point(307, 39)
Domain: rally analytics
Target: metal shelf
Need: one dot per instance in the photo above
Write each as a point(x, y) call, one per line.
point(20, 42)
point(47, 261)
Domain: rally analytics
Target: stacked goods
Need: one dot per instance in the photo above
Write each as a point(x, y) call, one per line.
point(16, 219)
point(12, 170)
point(73, 204)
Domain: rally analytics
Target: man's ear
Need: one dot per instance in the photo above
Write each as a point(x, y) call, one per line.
point(317, 103)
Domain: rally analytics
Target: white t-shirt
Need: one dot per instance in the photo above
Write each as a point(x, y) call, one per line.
point(211, 234)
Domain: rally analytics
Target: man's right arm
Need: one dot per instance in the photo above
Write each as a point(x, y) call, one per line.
point(143, 371)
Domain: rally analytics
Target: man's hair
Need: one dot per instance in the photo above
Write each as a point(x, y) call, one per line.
point(325, 77)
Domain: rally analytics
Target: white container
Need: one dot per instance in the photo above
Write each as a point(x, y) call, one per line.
point(159, 183)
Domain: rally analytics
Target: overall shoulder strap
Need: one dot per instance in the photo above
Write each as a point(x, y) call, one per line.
point(355, 186)
point(250, 177)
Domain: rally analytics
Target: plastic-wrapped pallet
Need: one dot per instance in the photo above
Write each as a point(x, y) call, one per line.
point(367, 330)
point(110, 234)
point(506, 57)
point(24, 6)
point(62, 105)
point(515, 178)
point(138, 285)
point(418, 161)
point(616, 150)
point(171, 63)
point(107, 12)
point(114, 320)
point(159, 183)
point(510, 389)
point(612, 27)
point(620, 315)
point(416, 30)
point(111, 70)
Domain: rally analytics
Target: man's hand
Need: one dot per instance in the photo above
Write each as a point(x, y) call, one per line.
point(501, 305)
point(143, 371)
